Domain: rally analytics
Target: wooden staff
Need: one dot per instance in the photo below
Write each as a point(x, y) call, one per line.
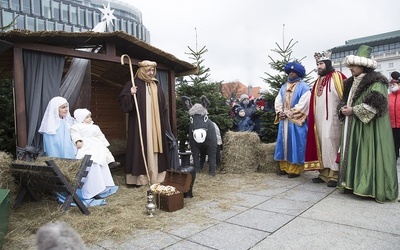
point(138, 114)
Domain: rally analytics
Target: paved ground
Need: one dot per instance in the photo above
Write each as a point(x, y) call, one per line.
point(291, 214)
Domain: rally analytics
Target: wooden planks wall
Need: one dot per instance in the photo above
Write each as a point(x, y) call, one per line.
point(106, 112)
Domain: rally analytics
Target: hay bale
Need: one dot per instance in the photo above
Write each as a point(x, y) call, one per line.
point(6, 179)
point(117, 146)
point(267, 164)
point(69, 167)
point(244, 152)
point(240, 149)
point(5, 174)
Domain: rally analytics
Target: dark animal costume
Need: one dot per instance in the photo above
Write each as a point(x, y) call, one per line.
point(202, 135)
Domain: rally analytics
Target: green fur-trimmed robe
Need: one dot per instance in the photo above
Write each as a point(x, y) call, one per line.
point(367, 157)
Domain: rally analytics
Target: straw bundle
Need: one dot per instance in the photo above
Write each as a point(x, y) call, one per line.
point(125, 211)
point(69, 167)
point(267, 164)
point(6, 180)
point(240, 149)
point(243, 152)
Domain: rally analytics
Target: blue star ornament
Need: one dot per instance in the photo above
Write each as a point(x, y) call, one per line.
point(108, 14)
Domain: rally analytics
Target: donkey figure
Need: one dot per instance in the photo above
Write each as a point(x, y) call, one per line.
point(202, 134)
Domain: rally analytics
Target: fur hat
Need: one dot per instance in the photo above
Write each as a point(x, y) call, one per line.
point(80, 114)
point(395, 75)
point(361, 58)
point(243, 96)
point(296, 67)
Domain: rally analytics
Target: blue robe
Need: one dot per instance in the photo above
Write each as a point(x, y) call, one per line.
point(295, 144)
point(60, 144)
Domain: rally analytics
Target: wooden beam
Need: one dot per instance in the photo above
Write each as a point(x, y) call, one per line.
point(19, 95)
point(71, 52)
point(110, 49)
point(81, 54)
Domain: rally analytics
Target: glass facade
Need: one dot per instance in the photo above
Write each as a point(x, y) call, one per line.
point(70, 15)
point(385, 51)
point(383, 48)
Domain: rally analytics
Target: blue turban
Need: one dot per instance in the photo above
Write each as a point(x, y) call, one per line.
point(296, 68)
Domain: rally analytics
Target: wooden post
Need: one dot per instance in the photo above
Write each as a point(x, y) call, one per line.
point(19, 98)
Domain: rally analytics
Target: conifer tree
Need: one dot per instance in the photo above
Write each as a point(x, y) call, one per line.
point(194, 87)
point(7, 127)
point(275, 82)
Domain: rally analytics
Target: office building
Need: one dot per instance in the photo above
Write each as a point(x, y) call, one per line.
point(70, 16)
point(385, 50)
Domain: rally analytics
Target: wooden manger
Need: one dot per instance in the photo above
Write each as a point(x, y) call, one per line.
point(32, 176)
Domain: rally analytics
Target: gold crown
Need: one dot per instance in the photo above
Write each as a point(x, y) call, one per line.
point(326, 55)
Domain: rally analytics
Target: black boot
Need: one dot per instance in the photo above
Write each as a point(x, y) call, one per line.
point(189, 194)
point(192, 171)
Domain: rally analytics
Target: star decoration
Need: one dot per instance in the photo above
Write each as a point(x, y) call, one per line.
point(108, 14)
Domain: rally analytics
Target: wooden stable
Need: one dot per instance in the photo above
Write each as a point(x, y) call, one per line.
point(107, 74)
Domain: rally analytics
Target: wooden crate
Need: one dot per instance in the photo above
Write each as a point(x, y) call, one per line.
point(181, 181)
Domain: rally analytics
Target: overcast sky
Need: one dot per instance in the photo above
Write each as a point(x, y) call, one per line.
point(239, 35)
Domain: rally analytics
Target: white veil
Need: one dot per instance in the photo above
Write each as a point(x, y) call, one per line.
point(51, 118)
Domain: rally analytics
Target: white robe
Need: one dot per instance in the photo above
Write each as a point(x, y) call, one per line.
point(94, 141)
point(328, 129)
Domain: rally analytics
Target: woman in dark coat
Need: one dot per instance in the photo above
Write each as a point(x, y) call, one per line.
point(154, 123)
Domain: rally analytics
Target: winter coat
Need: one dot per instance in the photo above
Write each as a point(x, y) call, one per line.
point(394, 109)
point(244, 124)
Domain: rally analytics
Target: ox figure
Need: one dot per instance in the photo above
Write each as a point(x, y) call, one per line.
point(202, 134)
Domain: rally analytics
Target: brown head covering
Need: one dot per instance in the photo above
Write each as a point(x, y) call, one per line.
point(144, 66)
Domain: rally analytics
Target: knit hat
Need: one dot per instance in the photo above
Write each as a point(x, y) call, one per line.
point(80, 114)
point(395, 75)
point(260, 103)
point(361, 58)
point(239, 109)
point(296, 67)
point(243, 96)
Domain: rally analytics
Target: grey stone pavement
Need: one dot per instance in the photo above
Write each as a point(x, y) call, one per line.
point(291, 214)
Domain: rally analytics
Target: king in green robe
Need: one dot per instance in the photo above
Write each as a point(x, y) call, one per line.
point(367, 156)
